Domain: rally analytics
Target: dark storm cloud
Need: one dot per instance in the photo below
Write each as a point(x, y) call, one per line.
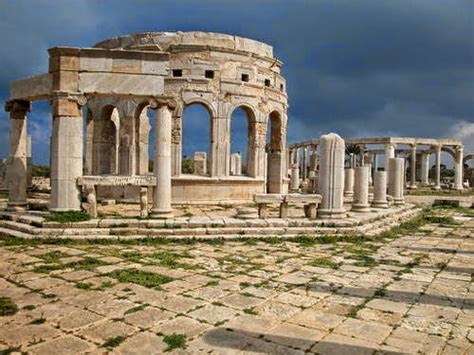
point(355, 67)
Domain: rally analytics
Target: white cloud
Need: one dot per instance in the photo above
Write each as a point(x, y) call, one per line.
point(464, 130)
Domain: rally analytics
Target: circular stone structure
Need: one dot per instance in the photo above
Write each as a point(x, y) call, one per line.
point(219, 71)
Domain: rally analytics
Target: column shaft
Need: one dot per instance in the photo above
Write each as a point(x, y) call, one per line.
point(396, 177)
point(413, 168)
point(361, 189)
point(458, 169)
point(162, 192)
point(438, 168)
point(17, 179)
point(380, 190)
point(66, 155)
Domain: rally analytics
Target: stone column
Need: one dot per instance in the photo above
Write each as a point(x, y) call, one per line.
point(389, 153)
point(17, 167)
point(352, 162)
point(376, 162)
point(361, 190)
point(396, 177)
point(303, 166)
point(349, 182)
point(380, 190)
point(458, 168)
point(162, 192)
point(425, 168)
point(220, 147)
point(66, 153)
point(295, 179)
point(313, 164)
point(413, 167)
point(438, 168)
point(331, 176)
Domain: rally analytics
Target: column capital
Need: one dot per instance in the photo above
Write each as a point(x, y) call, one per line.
point(160, 102)
point(67, 104)
point(437, 148)
point(18, 106)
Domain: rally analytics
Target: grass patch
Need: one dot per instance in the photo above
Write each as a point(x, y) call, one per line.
point(363, 260)
point(84, 285)
point(324, 262)
point(113, 342)
point(143, 278)
point(212, 283)
point(250, 311)
point(175, 341)
point(87, 263)
point(69, 216)
point(52, 256)
point(137, 308)
point(7, 306)
point(441, 220)
point(38, 321)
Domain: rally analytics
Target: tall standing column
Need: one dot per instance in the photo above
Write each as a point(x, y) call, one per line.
point(458, 168)
point(331, 176)
point(438, 168)
point(17, 167)
point(66, 153)
point(425, 168)
point(162, 194)
point(413, 167)
point(295, 179)
point(389, 153)
point(396, 178)
point(349, 182)
point(380, 190)
point(361, 189)
point(303, 166)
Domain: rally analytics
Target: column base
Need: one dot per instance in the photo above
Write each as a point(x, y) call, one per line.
point(360, 208)
point(349, 194)
point(398, 201)
point(413, 187)
point(63, 209)
point(331, 214)
point(437, 187)
point(17, 206)
point(379, 204)
point(159, 213)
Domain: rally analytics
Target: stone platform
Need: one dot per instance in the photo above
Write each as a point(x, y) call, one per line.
point(33, 225)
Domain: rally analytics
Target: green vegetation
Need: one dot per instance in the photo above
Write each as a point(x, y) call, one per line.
point(137, 308)
point(84, 285)
point(250, 311)
point(87, 263)
point(324, 262)
point(66, 217)
point(7, 306)
point(114, 342)
point(40, 170)
point(52, 256)
point(143, 278)
point(441, 219)
point(175, 341)
point(38, 321)
point(187, 165)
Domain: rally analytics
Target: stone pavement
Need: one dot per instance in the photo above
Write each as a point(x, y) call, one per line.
point(398, 294)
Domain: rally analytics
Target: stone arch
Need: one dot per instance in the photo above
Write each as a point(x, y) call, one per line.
point(181, 113)
point(275, 125)
point(142, 138)
point(467, 158)
point(251, 116)
point(105, 141)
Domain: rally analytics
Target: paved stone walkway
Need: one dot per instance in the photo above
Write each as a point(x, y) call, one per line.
point(413, 293)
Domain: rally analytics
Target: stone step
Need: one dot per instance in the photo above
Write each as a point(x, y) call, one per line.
point(7, 232)
point(21, 227)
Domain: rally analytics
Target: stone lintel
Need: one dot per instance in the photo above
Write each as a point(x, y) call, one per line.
point(18, 108)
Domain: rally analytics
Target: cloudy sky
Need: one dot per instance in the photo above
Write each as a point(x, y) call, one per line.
point(359, 68)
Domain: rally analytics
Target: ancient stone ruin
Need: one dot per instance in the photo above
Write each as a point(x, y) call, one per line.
point(109, 91)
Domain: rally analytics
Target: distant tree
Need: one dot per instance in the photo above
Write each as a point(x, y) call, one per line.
point(40, 170)
point(187, 165)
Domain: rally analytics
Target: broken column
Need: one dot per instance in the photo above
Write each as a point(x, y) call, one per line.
point(396, 180)
point(235, 164)
point(162, 194)
point(331, 176)
point(295, 179)
point(349, 182)
point(200, 163)
point(17, 168)
point(389, 153)
point(361, 190)
point(380, 190)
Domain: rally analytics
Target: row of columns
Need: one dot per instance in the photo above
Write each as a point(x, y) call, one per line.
point(67, 155)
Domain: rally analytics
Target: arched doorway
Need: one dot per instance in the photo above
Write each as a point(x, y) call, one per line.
point(195, 140)
point(242, 139)
point(105, 142)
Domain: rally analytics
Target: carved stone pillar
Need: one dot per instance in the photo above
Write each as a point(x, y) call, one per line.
point(162, 192)
point(413, 167)
point(425, 168)
point(396, 177)
point(361, 189)
point(349, 182)
point(66, 152)
point(389, 153)
point(380, 190)
point(220, 147)
point(17, 180)
point(438, 168)
point(458, 168)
